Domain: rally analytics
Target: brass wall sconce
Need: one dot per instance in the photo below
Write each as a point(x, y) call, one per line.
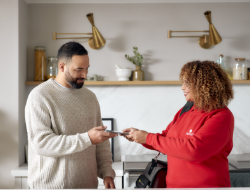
point(96, 41)
point(207, 40)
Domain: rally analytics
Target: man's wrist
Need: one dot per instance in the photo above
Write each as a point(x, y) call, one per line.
point(108, 176)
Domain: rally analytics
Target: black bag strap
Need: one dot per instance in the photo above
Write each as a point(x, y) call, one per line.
point(153, 164)
point(186, 107)
point(162, 162)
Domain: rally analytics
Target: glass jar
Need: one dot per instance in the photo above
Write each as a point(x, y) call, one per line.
point(40, 63)
point(248, 73)
point(52, 68)
point(240, 69)
point(225, 66)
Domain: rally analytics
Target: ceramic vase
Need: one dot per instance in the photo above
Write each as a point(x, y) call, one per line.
point(138, 74)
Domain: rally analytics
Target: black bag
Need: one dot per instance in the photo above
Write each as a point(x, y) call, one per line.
point(154, 175)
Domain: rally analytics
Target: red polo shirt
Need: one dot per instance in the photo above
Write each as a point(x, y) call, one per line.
point(197, 145)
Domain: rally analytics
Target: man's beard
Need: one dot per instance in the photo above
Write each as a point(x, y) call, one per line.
point(73, 82)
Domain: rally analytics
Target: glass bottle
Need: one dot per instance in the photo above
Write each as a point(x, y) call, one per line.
point(52, 67)
point(248, 78)
point(40, 63)
point(225, 66)
point(221, 61)
point(240, 69)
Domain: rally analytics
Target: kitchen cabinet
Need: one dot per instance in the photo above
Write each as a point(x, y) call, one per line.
point(21, 176)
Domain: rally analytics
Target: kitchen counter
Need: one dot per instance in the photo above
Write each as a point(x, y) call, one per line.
point(22, 171)
point(21, 176)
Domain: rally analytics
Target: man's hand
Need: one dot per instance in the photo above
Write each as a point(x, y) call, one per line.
point(109, 183)
point(130, 131)
point(139, 136)
point(98, 135)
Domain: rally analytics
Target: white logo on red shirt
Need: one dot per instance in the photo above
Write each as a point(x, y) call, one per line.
point(190, 133)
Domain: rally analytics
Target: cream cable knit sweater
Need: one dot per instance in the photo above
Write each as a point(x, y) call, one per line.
point(61, 154)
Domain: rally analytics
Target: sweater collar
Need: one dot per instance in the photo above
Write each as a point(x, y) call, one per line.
point(62, 88)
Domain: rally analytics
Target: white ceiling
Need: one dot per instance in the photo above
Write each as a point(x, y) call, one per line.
point(136, 1)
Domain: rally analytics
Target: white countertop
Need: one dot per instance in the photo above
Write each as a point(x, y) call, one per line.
point(22, 171)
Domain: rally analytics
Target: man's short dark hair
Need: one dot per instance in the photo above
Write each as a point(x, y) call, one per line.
point(68, 50)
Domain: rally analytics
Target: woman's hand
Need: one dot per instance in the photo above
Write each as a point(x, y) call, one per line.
point(129, 130)
point(139, 136)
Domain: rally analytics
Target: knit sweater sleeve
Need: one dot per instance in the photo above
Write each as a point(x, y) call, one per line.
point(103, 153)
point(42, 139)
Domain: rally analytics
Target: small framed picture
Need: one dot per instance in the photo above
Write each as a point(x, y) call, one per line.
point(109, 122)
point(26, 153)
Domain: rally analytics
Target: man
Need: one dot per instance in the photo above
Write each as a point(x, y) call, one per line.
point(66, 149)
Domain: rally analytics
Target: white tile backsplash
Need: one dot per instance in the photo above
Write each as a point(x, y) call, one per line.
point(152, 108)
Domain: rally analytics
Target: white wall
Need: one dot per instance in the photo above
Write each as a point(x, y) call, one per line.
point(9, 91)
point(145, 25)
point(13, 21)
point(22, 70)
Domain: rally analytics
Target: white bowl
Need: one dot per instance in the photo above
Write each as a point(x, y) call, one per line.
point(123, 74)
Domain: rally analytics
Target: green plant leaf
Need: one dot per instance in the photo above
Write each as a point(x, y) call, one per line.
point(137, 59)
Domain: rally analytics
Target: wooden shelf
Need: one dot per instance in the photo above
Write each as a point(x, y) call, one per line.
point(120, 83)
point(240, 81)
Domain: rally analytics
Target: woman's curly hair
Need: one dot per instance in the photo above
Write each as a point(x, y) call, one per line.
point(210, 85)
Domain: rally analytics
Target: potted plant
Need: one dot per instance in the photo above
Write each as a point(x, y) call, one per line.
point(137, 59)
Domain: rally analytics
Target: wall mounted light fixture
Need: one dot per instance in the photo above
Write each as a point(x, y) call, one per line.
point(96, 41)
point(207, 40)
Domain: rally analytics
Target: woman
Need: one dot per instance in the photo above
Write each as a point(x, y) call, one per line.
point(200, 137)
